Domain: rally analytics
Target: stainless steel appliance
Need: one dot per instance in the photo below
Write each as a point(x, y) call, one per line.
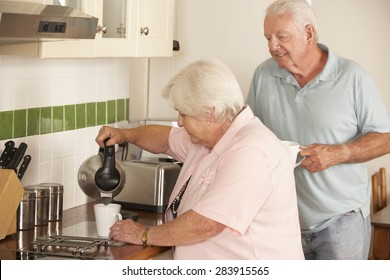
point(28, 22)
point(148, 184)
point(144, 184)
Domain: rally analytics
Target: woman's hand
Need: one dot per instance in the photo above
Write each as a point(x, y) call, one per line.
point(127, 231)
point(115, 135)
point(188, 228)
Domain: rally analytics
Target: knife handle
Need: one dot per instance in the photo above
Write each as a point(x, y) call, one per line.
point(23, 167)
point(17, 157)
point(7, 150)
point(9, 158)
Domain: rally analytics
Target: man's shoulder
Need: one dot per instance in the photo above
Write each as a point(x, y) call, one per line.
point(266, 67)
point(350, 65)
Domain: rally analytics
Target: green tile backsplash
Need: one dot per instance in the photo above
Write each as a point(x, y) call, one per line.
point(35, 121)
point(20, 125)
point(101, 118)
point(46, 117)
point(91, 114)
point(58, 118)
point(80, 116)
point(6, 122)
point(111, 112)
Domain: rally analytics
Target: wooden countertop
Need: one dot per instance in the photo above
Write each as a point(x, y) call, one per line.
point(382, 217)
point(79, 216)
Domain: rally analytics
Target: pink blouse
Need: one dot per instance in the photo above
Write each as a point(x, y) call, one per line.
point(246, 183)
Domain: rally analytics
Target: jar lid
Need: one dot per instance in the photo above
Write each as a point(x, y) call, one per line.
point(39, 191)
point(53, 187)
point(29, 195)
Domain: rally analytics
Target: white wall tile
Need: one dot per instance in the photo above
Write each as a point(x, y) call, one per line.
point(69, 143)
point(45, 147)
point(20, 88)
point(57, 172)
point(45, 169)
point(7, 87)
point(58, 145)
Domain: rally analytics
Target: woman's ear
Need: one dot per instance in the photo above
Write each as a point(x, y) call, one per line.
point(211, 117)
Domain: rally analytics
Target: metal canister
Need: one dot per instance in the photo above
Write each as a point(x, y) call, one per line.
point(41, 204)
point(55, 200)
point(26, 211)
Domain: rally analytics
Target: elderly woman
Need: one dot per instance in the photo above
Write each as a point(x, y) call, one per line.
point(235, 195)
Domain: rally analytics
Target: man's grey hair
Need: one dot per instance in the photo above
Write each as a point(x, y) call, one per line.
point(300, 10)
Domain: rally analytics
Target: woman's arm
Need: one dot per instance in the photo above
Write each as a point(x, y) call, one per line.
point(153, 138)
point(190, 227)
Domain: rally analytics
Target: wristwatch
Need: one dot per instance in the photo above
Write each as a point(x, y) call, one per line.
point(144, 238)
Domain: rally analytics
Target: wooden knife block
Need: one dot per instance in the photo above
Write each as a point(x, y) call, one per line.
point(11, 193)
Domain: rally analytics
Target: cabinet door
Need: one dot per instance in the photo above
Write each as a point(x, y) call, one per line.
point(155, 28)
point(116, 38)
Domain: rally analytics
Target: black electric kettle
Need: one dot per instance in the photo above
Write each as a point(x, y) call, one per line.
point(107, 177)
point(102, 175)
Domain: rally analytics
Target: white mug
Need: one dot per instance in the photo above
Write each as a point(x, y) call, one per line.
point(106, 216)
point(294, 150)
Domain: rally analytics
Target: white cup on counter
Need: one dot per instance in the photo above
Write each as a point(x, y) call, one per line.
point(294, 149)
point(105, 217)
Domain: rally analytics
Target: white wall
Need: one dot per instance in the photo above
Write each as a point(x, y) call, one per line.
point(231, 31)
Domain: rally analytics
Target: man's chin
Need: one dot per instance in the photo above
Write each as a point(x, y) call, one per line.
point(282, 62)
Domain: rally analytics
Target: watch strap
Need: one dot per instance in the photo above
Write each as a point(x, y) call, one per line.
point(144, 238)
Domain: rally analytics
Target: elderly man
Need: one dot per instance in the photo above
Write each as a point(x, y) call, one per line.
point(331, 106)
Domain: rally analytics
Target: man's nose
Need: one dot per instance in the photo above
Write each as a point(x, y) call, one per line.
point(273, 44)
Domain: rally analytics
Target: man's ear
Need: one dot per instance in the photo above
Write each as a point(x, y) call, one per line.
point(310, 33)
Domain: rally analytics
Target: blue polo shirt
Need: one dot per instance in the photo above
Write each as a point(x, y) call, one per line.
point(338, 106)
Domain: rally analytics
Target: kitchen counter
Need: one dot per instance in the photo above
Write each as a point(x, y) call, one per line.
point(80, 221)
point(381, 222)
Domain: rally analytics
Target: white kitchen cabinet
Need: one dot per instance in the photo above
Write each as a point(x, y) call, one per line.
point(135, 28)
point(127, 28)
point(147, 78)
point(116, 37)
point(155, 28)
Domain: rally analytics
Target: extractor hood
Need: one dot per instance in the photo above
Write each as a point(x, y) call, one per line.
point(24, 22)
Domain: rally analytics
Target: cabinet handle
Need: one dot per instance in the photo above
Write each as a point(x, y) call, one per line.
point(102, 29)
point(144, 31)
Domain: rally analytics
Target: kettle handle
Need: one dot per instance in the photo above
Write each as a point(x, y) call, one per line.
point(107, 178)
point(109, 156)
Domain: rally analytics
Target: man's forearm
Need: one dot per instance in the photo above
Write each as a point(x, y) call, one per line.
point(368, 147)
